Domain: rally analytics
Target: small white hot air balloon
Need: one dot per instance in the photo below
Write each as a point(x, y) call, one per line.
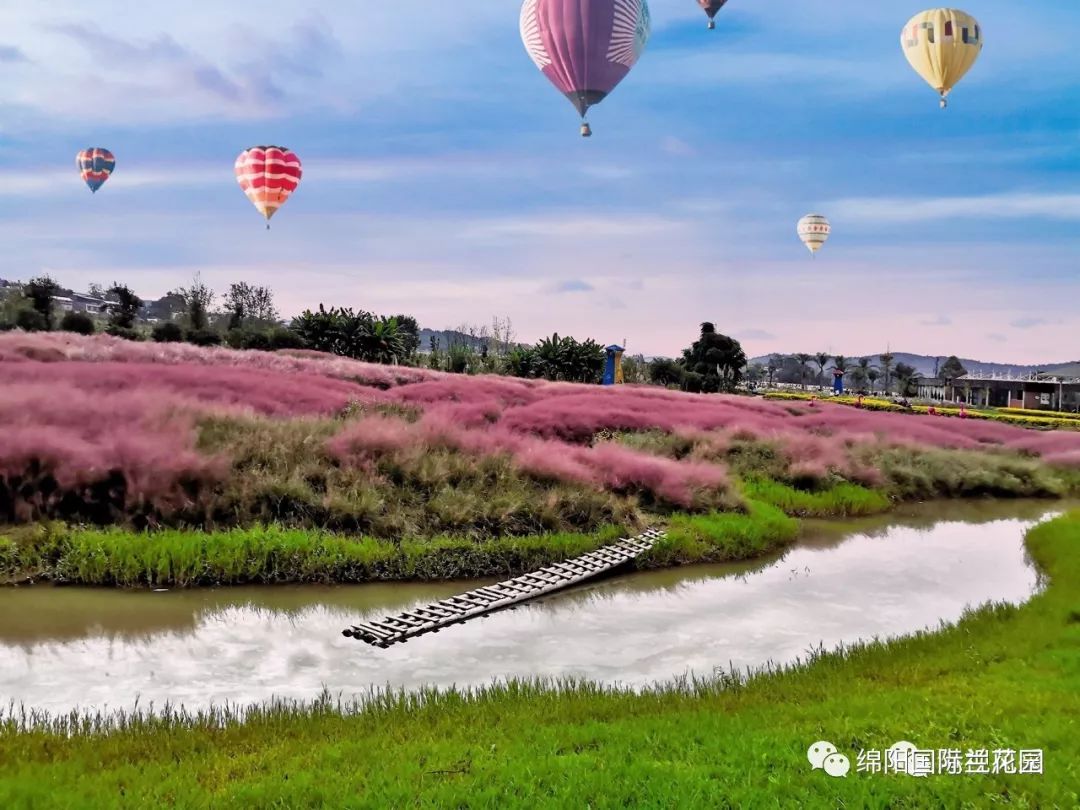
point(814, 231)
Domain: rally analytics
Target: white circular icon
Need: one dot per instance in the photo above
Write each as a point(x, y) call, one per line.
point(837, 765)
point(817, 752)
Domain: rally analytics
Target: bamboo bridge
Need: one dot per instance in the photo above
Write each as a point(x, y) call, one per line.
point(479, 602)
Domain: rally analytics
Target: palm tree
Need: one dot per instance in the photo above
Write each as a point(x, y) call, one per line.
point(821, 358)
point(906, 377)
point(775, 364)
point(886, 368)
point(803, 359)
point(874, 375)
point(861, 372)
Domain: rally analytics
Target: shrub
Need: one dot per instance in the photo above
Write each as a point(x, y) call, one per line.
point(78, 322)
point(282, 338)
point(167, 332)
point(203, 337)
point(247, 339)
point(124, 332)
point(30, 320)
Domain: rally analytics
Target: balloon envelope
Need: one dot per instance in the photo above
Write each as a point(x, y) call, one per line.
point(711, 7)
point(268, 175)
point(814, 230)
point(941, 45)
point(95, 166)
point(585, 47)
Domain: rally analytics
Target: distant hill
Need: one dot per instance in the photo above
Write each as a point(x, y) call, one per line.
point(924, 364)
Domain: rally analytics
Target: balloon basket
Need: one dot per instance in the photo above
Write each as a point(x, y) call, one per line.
point(712, 25)
point(586, 131)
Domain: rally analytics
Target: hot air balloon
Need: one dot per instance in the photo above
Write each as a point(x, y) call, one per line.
point(268, 175)
point(95, 165)
point(585, 47)
point(814, 231)
point(942, 44)
point(711, 8)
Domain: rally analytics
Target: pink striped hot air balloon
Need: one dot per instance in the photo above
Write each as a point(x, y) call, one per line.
point(268, 175)
point(585, 47)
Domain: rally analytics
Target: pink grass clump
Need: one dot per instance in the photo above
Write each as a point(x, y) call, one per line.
point(54, 431)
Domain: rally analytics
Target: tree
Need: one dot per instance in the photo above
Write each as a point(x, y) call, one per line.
point(410, 335)
point(776, 362)
point(802, 358)
point(861, 373)
point(951, 370)
point(40, 292)
point(906, 378)
point(663, 371)
point(822, 359)
point(78, 322)
point(95, 289)
point(246, 302)
point(755, 373)
point(123, 313)
point(198, 298)
point(873, 374)
point(886, 368)
point(718, 358)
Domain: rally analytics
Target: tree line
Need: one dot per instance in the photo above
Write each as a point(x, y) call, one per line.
point(246, 317)
point(861, 374)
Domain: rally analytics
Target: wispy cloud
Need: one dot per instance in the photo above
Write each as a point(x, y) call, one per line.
point(940, 320)
point(1028, 322)
point(573, 286)
point(10, 54)
point(1015, 205)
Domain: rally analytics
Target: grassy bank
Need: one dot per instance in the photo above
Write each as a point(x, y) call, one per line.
point(1003, 678)
point(275, 554)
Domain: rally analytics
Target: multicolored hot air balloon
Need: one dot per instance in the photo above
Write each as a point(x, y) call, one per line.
point(585, 47)
point(268, 175)
point(942, 44)
point(95, 165)
point(814, 231)
point(711, 8)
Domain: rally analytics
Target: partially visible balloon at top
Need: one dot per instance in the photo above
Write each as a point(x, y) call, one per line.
point(268, 175)
point(585, 47)
point(711, 7)
point(941, 45)
point(95, 166)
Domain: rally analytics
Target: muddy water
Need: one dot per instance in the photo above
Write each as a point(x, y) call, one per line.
point(99, 649)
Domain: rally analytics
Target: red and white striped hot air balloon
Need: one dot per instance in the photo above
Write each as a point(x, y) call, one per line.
point(268, 175)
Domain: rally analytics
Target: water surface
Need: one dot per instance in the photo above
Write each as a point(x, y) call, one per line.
point(99, 649)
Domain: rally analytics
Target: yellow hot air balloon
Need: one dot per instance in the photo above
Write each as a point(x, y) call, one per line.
point(942, 44)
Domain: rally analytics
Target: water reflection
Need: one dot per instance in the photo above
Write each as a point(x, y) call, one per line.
point(878, 577)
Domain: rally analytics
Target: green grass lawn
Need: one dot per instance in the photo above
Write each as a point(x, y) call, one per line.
point(1003, 677)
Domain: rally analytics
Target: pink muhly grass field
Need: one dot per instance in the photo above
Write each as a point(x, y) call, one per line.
point(82, 408)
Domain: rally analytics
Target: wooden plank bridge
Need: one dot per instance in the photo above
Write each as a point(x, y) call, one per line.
point(490, 598)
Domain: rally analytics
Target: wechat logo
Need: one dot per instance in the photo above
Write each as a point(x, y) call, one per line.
point(824, 755)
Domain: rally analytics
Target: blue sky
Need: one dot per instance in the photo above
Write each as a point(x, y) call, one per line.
point(444, 176)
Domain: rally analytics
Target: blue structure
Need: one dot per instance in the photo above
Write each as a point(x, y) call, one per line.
point(613, 367)
point(837, 381)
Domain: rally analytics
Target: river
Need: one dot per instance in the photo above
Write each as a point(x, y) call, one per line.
point(98, 649)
